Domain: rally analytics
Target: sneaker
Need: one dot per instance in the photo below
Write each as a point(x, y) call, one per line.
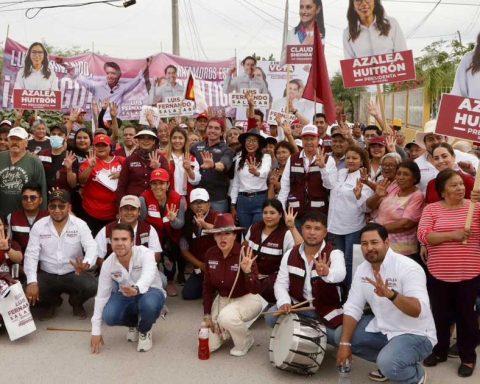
point(132, 334)
point(377, 376)
point(242, 352)
point(423, 380)
point(453, 351)
point(144, 342)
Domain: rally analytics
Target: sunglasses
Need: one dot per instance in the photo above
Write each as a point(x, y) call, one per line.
point(29, 197)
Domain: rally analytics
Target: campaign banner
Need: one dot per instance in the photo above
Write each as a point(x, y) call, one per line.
point(379, 69)
point(35, 99)
point(91, 77)
point(260, 100)
point(273, 115)
point(299, 54)
point(176, 108)
point(459, 117)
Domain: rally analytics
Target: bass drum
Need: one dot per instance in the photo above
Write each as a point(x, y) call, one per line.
point(298, 344)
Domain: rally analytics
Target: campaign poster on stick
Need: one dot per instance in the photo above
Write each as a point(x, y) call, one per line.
point(459, 117)
point(380, 69)
point(238, 99)
point(274, 115)
point(176, 106)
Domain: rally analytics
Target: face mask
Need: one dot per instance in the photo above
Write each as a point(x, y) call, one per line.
point(56, 142)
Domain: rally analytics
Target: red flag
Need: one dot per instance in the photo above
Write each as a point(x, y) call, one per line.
point(318, 88)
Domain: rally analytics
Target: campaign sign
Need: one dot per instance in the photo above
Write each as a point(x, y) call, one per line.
point(459, 117)
point(392, 67)
point(299, 54)
point(260, 100)
point(34, 99)
point(176, 108)
point(148, 110)
point(272, 117)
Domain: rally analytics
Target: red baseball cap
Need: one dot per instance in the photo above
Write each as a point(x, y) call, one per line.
point(102, 139)
point(159, 174)
point(202, 115)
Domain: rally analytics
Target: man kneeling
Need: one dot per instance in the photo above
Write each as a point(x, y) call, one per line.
point(129, 292)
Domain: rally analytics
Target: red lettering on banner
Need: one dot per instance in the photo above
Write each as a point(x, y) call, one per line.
point(379, 69)
point(459, 117)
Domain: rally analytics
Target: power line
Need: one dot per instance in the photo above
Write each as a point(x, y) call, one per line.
point(423, 20)
point(430, 2)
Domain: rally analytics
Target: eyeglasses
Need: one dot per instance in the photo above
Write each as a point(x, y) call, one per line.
point(53, 207)
point(29, 197)
point(252, 140)
point(36, 52)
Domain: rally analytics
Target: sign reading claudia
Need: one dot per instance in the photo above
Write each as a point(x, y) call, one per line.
point(379, 69)
point(459, 117)
point(299, 54)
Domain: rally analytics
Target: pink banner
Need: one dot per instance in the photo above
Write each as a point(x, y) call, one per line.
point(87, 77)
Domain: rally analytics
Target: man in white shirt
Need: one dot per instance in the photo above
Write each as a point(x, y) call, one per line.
point(401, 331)
point(171, 88)
point(130, 291)
point(312, 271)
point(246, 81)
point(56, 247)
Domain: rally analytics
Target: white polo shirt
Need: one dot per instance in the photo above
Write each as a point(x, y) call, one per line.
point(407, 278)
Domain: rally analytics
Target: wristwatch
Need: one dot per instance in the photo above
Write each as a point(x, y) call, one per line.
point(394, 296)
point(138, 289)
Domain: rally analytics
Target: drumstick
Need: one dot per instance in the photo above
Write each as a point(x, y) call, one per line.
point(302, 303)
point(291, 311)
point(68, 329)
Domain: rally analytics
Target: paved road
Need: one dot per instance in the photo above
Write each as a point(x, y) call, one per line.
point(52, 357)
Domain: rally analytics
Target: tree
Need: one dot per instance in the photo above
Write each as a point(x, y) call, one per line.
point(347, 96)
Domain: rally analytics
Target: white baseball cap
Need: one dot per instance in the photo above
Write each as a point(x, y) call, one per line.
point(19, 132)
point(6, 122)
point(199, 194)
point(132, 200)
point(310, 130)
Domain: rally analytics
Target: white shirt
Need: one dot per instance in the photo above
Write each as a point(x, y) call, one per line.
point(103, 241)
point(336, 274)
point(466, 83)
point(159, 94)
point(243, 82)
point(180, 177)
point(142, 272)
point(369, 42)
point(55, 252)
point(346, 214)
point(288, 241)
point(244, 181)
point(285, 180)
point(408, 279)
point(36, 80)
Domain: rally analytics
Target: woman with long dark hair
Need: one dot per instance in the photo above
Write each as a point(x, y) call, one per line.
point(36, 73)
point(249, 186)
point(467, 78)
point(370, 31)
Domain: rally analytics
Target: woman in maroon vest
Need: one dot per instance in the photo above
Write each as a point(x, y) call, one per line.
point(10, 252)
point(269, 240)
point(163, 208)
point(195, 242)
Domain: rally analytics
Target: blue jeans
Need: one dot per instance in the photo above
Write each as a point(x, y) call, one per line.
point(398, 359)
point(221, 206)
point(345, 244)
point(139, 311)
point(249, 209)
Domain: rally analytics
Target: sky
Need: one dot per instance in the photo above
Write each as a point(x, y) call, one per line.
point(219, 29)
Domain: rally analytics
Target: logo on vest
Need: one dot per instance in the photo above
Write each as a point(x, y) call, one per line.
point(212, 264)
point(234, 267)
point(391, 282)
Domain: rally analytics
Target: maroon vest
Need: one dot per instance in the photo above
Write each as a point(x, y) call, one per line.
point(306, 188)
point(199, 245)
point(326, 296)
point(21, 227)
point(142, 237)
point(269, 252)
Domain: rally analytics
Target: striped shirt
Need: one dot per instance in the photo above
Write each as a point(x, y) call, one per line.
point(451, 261)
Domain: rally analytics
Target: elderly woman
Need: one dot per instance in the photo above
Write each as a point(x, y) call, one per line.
point(400, 204)
point(454, 266)
point(231, 271)
point(249, 186)
point(443, 157)
point(283, 150)
point(370, 31)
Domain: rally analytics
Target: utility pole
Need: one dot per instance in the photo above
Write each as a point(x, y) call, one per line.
point(175, 29)
point(459, 37)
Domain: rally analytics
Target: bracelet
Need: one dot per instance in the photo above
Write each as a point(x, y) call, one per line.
point(395, 294)
point(345, 344)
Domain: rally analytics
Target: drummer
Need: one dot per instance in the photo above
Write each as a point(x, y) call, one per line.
point(312, 271)
point(235, 278)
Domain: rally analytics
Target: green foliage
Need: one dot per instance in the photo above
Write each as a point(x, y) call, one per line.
point(347, 96)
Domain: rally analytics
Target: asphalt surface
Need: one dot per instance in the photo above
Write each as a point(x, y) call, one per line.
point(64, 357)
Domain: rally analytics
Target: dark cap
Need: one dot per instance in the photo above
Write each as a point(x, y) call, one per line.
point(59, 194)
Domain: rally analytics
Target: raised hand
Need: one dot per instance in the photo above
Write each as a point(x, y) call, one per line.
point(207, 160)
point(113, 109)
point(372, 109)
point(199, 219)
point(154, 160)
point(391, 143)
point(322, 266)
point(247, 260)
point(232, 70)
point(172, 212)
point(381, 188)
point(187, 163)
point(274, 178)
point(289, 217)
point(358, 189)
point(74, 112)
point(381, 287)
point(4, 243)
point(91, 158)
point(321, 157)
point(287, 129)
point(253, 167)
point(70, 157)
point(150, 118)
point(79, 265)
point(249, 97)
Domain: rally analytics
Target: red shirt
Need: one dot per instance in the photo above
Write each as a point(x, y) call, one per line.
point(220, 274)
point(98, 200)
